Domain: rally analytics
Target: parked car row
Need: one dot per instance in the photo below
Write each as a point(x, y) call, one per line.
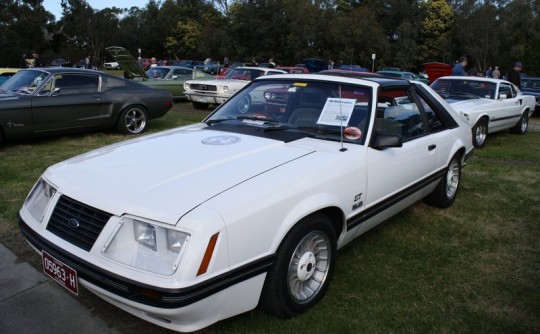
point(171, 78)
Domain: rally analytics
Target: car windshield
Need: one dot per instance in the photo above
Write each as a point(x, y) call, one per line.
point(157, 72)
point(530, 83)
point(464, 89)
point(243, 73)
point(25, 81)
point(324, 110)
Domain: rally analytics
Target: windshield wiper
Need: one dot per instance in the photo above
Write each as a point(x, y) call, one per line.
point(217, 120)
point(26, 91)
point(266, 118)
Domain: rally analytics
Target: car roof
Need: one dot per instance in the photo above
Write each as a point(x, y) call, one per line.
point(258, 68)
point(473, 78)
point(171, 67)
point(350, 73)
point(371, 81)
point(55, 70)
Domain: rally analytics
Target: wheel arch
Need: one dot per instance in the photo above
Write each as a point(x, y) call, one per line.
point(301, 211)
point(483, 116)
point(131, 104)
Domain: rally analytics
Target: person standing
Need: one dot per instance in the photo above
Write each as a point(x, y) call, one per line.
point(38, 61)
point(22, 61)
point(514, 74)
point(330, 64)
point(459, 67)
point(496, 74)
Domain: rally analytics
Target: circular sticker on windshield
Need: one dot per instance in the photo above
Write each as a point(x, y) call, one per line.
point(220, 140)
point(352, 133)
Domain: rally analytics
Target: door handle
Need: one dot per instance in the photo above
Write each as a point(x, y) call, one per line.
point(432, 147)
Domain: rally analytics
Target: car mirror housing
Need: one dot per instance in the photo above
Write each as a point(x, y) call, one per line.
point(382, 141)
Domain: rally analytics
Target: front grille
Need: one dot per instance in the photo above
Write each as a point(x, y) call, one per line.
point(77, 223)
point(203, 87)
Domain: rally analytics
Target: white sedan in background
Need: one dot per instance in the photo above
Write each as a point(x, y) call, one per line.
point(250, 206)
point(490, 105)
point(204, 92)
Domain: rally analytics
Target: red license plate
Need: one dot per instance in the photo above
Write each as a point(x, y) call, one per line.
point(60, 272)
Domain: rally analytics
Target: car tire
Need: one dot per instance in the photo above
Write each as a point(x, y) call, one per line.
point(243, 104)
point(200, 106)
point(303, 268)
point(522, 125)
point(133, 120)
point(479, 133)
point(446, 191)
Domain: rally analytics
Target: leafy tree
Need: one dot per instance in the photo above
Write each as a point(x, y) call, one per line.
point(434, 37)
point(88, 30)
point(476, 29)
point(184, 43)
point(24, 26)
point(519, 34)
point(130, 29)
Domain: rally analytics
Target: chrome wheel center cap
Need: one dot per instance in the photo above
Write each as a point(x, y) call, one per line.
point(306, 266)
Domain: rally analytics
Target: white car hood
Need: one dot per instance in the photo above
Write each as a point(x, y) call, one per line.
point(164, 176)
point(221, 82)
point(463, 105)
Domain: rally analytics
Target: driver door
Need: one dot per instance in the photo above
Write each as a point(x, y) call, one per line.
point(508, 110)
point(67, 102)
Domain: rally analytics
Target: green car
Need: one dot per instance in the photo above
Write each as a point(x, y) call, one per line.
point(403, 75)
point(171, 78)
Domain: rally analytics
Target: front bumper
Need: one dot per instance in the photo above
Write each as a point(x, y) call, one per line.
point(205, 98)
point(143, 294)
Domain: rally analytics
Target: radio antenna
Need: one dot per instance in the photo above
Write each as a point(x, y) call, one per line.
point(343, 149)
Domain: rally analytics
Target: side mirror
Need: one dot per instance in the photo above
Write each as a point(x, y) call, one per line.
point(503, 96)
point(382, 141)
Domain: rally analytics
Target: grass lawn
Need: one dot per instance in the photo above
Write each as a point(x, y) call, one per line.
point(472, 268)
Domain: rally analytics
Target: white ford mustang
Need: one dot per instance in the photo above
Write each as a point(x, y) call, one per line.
point(196, 224)
point(205, 92)
point(490, 105)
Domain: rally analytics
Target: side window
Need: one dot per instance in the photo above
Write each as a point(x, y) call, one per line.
point(47, 89)
point(434, 121)
point(69, 84)
point(505, 89)
point(182, 72)
point(398, 114)
point(514, 91)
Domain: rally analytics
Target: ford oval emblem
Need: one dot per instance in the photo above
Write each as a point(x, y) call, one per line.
point(73, 223)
